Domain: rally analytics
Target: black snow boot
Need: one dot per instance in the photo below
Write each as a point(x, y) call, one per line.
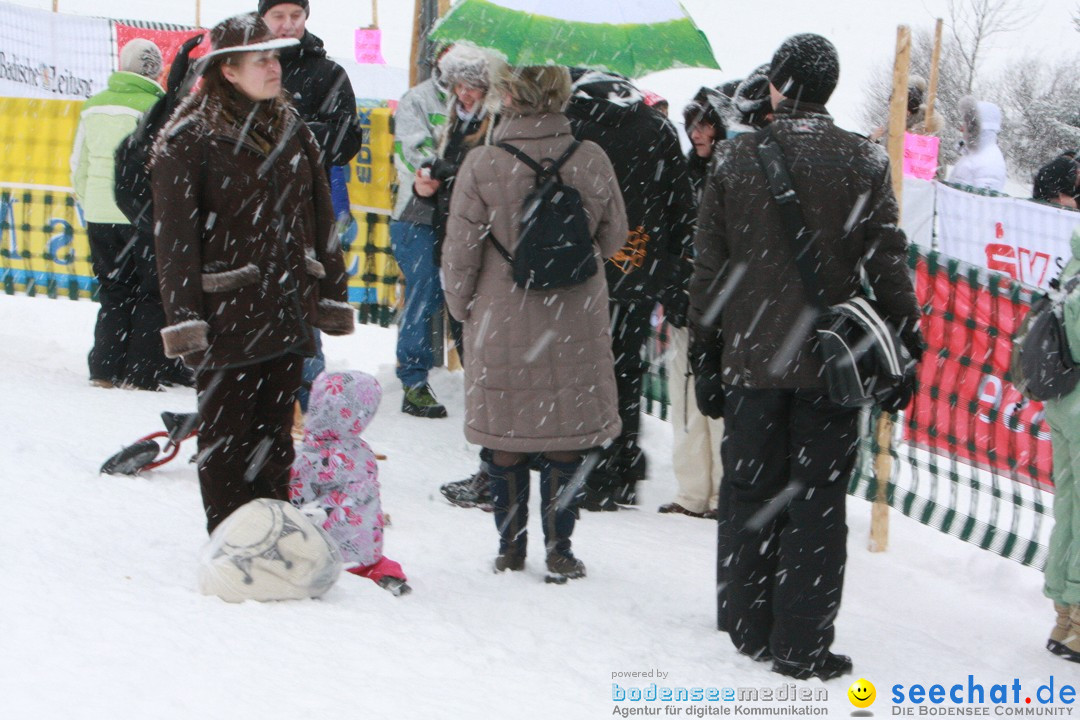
point(560, 492)
point(832, 666)
point(510, 498)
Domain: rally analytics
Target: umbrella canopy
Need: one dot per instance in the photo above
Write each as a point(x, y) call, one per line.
point(629, 37)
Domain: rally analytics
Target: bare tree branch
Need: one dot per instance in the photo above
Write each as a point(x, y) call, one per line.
point(973, 23)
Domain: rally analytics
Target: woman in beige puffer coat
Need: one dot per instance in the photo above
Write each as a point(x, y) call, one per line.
point(539, 375)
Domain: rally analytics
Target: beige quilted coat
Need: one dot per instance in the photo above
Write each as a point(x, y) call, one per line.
point(538, 366)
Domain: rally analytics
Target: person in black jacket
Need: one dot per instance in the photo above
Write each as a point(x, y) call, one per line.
point(788, 451)
point(318, 87)
point(644, 149)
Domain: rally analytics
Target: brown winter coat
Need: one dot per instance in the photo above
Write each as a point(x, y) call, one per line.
point(844, 188)
point(538, 365)
point(248, 255)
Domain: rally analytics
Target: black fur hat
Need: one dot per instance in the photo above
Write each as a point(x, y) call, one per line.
point(806, 67)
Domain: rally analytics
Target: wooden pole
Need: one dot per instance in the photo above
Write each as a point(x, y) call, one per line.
point(414, 52)
point(56, 5)
point(935, 61)
point(375, 14)
point(444, 7)
point(879, 513)
point(198, 13)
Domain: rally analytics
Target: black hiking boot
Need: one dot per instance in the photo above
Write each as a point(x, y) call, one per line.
point(421, 402)
point(472, 492)
point(509, 561)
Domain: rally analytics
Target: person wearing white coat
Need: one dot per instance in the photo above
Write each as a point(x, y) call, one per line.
point(981, 163)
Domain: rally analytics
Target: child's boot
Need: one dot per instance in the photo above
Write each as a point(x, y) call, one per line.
point(560, 492)
point(510, 498)
point(1060, 631)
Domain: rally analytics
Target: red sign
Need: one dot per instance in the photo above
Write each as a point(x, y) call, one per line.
point(965, 408)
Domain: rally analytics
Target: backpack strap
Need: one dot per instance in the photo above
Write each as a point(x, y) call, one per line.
point(541, 171)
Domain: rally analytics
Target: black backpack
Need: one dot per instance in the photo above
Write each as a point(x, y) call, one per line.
point(1041, 365)
point(131, 181)
point(555, 248)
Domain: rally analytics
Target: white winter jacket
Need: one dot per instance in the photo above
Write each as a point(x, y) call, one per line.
point(981, 165)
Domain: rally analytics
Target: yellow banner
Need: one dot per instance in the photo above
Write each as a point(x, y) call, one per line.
point(43, 244)
point(37, 142)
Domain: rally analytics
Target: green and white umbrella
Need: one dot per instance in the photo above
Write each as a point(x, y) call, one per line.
point(630, 37)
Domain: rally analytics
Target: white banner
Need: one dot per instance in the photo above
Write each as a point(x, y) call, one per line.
point(48, 55)
point(1026, 240)
point(917, 216)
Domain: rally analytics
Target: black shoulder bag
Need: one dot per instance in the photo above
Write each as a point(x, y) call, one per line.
point(864, 360)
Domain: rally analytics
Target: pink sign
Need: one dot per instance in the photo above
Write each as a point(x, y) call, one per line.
point(369, 46)
point(920, 155)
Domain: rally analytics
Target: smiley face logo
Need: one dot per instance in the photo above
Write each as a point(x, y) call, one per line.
point(862, 693)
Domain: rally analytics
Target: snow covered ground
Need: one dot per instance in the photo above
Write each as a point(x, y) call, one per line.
point(100, 617)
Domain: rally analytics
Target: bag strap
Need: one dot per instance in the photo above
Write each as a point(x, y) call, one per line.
point(542, 173)
point(774, 165)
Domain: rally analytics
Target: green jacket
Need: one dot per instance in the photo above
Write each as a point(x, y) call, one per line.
point(1063, 414)
point(107, 118)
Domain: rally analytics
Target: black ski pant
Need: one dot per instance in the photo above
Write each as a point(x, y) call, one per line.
point(127, 340)
point(788, 456)
point(245, 433)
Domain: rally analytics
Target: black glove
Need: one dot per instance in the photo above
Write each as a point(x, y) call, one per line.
point(709, 392)
point(676, 304)
point(913, 340)
point(443, 170)
point(901, 396)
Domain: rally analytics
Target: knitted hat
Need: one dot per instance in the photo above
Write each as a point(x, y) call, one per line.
point(806, 67)
point(265, 5)
point(244, 33)
point(1057, 177)
point(142, 57)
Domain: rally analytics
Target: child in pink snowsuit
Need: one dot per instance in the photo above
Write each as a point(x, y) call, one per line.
point(335, 471)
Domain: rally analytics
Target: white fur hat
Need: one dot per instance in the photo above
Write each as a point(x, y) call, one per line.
point(268, 550)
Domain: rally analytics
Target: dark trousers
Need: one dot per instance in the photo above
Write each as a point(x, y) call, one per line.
point(127, 341)
point(245, 440)
point(787, 455)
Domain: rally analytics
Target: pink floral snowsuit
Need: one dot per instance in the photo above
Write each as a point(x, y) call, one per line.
point(335, 470)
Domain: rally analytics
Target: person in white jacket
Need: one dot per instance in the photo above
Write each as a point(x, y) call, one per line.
point(981, 164)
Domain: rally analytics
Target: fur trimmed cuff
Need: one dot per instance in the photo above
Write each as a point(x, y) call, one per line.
point(314, 267)
point(185, 337)
point(230, 279)
point(336, 318)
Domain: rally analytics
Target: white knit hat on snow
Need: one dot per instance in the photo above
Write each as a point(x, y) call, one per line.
point(268, 550)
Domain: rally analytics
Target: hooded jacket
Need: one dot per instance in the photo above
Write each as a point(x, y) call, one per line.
point(843, 184)
point(981, 165)
point(644, 149)
point(107, 118)
point(335, 470)
point(323, 96)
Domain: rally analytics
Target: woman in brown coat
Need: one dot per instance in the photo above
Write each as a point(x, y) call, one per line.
point(248, 259)
point(539, 376)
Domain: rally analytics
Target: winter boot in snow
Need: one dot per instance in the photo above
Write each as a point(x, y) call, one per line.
point(1060, 632)
point(421, 402)
point(833, 666)
point(1071, 643)
point(473, 491)
point(559, 497)
point(510, 497)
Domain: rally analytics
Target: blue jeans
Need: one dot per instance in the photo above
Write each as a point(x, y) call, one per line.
point(312, 367)
point(414, 250)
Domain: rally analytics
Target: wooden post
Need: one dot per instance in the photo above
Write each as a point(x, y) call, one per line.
point(375, 14)
point(414, 51)
point(935, 61)
point(198, 13)
point(879, 513)
point(444, 7)
point(56, 5)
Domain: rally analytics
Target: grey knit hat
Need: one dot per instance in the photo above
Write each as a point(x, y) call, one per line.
point(142, 57)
